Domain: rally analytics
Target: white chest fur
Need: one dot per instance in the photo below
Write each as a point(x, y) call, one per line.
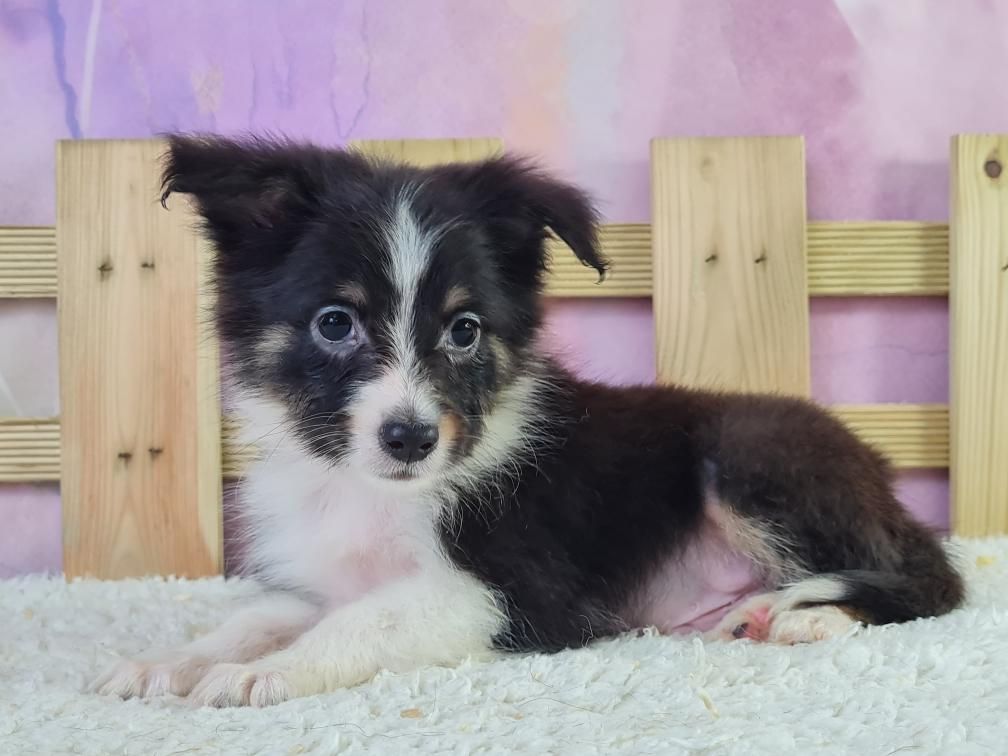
point(332, 533)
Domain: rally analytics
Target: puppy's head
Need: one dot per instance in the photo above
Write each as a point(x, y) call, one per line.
point(387, 309)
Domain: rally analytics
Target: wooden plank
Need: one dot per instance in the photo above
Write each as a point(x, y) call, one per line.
point(628, 247)
point(29, 450)
point(728, 243)
point(428, 152)
point(911, 435)
point(206, 436)
point(140, 425)
point(979, 334)
point(881, 258)
point(27, 262)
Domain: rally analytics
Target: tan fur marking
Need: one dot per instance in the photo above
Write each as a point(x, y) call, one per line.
point(271, 343)
point(855, 614)
point(353, 294)
point(449, 428)
point(747, 537)
point(456, 298)
point(502, 355)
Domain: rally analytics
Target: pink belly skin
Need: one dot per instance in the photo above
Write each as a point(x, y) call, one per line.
point(693, 590)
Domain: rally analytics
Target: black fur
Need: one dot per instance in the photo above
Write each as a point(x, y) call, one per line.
point(621, 486)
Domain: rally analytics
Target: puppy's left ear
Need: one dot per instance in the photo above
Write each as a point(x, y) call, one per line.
point(521, 204)
point(255, 195)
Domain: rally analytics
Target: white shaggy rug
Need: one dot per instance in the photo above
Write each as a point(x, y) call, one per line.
point(934, 686)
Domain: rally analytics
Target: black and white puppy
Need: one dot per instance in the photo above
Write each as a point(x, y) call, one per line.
point(433, 487)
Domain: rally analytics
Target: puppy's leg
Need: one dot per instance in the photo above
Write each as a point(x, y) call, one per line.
point(422, 620)
point(843, 547)
point(269, 624)
point(793, 469)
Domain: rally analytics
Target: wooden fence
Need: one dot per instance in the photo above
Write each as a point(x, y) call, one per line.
point(729, 262)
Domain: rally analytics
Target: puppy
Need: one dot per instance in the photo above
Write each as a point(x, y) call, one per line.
point(433, 487)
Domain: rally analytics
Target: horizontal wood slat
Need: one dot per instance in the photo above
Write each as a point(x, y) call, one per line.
point(29, 450)
point(628, 247)
point(886, 258)
point(27, 262)
point(844, 259)
point(911, 435)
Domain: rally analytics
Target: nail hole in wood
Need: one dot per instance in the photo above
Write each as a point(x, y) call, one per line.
point(147, 264)
point(761, 258)
point(125, 456)
point(993, 168)
point(155, 452)
point(104, 269)
point(1004, 268)
point(711, 257)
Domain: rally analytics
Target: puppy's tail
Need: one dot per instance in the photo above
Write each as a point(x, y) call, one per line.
point(924, 584)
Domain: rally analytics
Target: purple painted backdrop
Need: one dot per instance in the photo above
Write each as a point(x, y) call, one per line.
point(876, 87)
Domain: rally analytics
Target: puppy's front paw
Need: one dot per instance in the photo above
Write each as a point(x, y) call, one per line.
point(145, 678)
point(243, 685)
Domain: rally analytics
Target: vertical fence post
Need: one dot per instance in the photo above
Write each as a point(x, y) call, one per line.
point(978, 299)
point(139, 375)
point(730, 273)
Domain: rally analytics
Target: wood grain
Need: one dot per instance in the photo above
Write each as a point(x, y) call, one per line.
point(140, 424)
point(911, 435)
point(27, 262)
point(628, 247)
point(979, 334)
point(881, 258)
point(728, 244)
point(29, 450)
point(207, 401)
point(428, 152)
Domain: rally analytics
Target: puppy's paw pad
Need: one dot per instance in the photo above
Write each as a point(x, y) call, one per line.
point(811, 624)
point(750, 621)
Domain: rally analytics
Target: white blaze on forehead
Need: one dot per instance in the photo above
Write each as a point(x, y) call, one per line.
point(409, 252)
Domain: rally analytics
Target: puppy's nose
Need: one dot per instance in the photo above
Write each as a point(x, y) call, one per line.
point(408, 442)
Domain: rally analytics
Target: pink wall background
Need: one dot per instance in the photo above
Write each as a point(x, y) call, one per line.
point(876, 86)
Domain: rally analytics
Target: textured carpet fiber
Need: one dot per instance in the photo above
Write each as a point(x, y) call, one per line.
point(934, 686)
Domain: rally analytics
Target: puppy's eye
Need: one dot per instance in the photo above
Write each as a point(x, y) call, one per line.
point(464, 332)
point(335, 325)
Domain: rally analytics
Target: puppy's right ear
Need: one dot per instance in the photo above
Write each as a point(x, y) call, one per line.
point(254, 194)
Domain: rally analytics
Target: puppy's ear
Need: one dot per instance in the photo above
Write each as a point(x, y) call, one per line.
point(254, 194)
point(520, 204)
